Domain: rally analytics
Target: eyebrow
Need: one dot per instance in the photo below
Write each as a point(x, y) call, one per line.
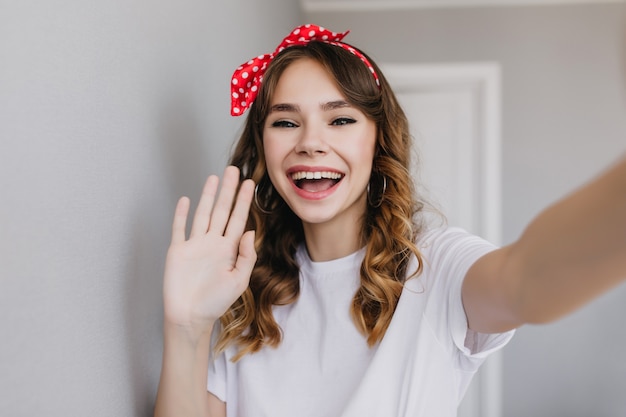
point(337, 104)
point(288, 107)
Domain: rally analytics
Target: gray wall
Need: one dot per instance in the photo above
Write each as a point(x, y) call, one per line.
point(564, 119)
point(109, 111)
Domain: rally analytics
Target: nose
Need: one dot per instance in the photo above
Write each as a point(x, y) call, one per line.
point(311, 141)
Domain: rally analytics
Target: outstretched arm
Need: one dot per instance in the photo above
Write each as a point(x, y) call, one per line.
point(571, 253)
point(204, 275)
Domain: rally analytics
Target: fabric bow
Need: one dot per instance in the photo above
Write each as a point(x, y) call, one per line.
point(247, 78)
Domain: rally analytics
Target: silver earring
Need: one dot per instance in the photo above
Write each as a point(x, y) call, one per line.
point(256, 201)
point(378, 201)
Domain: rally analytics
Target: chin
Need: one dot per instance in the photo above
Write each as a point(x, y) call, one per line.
point(312, 215)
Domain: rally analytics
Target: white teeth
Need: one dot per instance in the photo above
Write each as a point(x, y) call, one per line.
point(302, 175)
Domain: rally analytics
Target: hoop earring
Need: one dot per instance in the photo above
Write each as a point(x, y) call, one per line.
point(378, 201)
point(257, 203)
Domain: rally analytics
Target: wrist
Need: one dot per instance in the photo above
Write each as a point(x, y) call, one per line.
point(188, 333)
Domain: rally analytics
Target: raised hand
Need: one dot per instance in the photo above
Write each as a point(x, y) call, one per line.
point(207, 272)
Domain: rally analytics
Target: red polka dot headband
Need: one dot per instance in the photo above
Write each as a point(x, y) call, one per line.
point(248, 77)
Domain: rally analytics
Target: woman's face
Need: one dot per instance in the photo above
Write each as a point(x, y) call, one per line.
point(318, 148)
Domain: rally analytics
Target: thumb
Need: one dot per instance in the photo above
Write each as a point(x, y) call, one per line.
point(247, 254)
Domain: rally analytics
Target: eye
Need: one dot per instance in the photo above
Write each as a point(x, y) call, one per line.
point(341, 121)
point(283, 123)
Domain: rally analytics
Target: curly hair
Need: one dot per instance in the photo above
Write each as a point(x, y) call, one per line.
point(389, 230)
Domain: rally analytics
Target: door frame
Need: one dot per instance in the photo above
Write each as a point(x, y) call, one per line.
point(483, 81)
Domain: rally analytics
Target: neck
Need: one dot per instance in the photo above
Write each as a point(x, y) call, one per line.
point(329, 241)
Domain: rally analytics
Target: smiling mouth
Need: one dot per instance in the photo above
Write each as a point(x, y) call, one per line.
point(315, 182)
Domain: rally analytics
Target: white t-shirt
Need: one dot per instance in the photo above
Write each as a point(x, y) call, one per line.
point(323, 367)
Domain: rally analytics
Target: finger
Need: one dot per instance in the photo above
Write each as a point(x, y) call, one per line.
point(180, 220)
point(239, 216)
point(247, 256)
point(205, 205)
point(224, 203)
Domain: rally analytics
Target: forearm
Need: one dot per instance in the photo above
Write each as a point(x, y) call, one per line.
point(182, 387)
point(573, 251)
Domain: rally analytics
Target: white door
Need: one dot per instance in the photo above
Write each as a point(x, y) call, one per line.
point(454, 114)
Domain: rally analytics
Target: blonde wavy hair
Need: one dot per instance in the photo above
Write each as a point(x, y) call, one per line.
point(389, 231)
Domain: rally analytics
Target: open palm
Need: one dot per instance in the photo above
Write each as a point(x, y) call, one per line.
point(207, 272)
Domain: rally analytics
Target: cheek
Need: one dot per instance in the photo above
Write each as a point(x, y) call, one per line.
point(370, 142)
point(367, 151)
point(272, 154)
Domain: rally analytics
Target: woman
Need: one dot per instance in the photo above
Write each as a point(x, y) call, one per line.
point(328, 295)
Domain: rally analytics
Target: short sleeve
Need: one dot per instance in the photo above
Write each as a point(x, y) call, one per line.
point(472, 344)
point(449, 254)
